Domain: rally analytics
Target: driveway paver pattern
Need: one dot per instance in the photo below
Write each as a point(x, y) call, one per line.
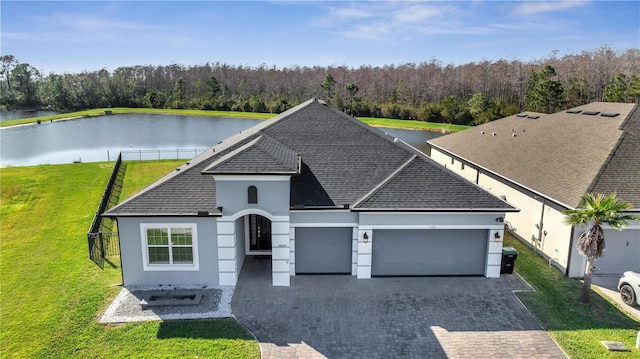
point(333, 316)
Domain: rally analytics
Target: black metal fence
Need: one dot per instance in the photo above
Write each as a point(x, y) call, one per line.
point(103, 235)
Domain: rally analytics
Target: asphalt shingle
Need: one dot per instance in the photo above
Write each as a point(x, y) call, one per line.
point(558, 155)
point(343, 162)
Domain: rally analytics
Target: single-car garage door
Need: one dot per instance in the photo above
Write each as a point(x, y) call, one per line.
point(622, 253)
point(406, 252)
point(323, 250)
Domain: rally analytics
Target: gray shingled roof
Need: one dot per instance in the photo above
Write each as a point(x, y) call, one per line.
point(621, 174)
point(426, 185)
point(560, 155)
point(343, 162)
point(264, 155)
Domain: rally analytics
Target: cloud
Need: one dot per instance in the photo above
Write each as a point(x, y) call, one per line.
point(387, 21)
point(532, 8)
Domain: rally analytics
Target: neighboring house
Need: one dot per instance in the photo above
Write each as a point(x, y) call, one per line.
point(318, 191)
point(543, 164)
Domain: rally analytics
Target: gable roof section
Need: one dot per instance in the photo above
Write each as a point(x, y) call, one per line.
point(558, 155)
point(264, 155)
point(621, 173)
point(422, 185)
point(334, 161)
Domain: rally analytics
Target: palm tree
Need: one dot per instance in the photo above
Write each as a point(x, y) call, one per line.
point(596, 210)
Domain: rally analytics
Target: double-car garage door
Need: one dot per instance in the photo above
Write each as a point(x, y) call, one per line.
point(396, 252)
point(416, 252)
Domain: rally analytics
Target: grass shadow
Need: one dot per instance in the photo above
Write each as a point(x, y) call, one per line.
point(226, 328)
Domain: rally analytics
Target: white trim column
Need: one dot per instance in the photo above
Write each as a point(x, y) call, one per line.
point(227, 262)
point(280, 251)
point(494, 253)
point(365, 250)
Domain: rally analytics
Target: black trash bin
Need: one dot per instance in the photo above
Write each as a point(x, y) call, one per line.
point(509, 255)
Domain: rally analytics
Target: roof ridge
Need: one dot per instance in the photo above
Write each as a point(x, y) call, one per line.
point(384, 182)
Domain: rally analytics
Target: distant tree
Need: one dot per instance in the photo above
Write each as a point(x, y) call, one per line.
point(634, 89)
point(178, 96)
point(24, 88)
point(214, 86)
point(352, 94)
point(544, 93)
point(619, 89)
point(327, 86)
point(578, 91)
point(595, 211)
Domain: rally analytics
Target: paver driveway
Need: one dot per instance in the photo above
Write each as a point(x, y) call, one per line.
point(343, 317)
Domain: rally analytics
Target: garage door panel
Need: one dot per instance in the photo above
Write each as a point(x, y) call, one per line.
point(622, 252)
point(323, 250)
point(429, 252)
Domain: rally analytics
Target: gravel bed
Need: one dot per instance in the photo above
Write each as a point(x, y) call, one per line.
point(127, 307)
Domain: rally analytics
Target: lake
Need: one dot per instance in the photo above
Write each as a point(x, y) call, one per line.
point(139, 136)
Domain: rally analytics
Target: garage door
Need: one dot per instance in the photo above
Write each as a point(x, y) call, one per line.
point(622, 254)
point(323, 250)
point(428, 252)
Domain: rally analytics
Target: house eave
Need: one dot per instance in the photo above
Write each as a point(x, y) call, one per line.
point(151, 214)
point(448, 210)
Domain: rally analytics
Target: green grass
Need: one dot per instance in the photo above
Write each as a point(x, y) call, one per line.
point(378, 122)
point(576, 327)
point(52, 294)
point(412, 125)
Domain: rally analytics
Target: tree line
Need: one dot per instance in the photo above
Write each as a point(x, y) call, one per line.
point(472, 93)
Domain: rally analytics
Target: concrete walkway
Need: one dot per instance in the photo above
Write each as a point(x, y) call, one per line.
point(343, 317)
point(608, 285)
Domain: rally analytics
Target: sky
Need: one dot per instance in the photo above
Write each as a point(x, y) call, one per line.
point(76, 36)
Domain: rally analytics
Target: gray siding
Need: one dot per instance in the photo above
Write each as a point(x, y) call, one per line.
point(273, 196)
point(131, 254)
point(429, 252)
point(323, 216)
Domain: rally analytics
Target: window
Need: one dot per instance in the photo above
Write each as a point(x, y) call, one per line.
point(252, 194)
point(169, 246)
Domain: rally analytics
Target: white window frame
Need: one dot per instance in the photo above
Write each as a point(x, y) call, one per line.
point(170, 266)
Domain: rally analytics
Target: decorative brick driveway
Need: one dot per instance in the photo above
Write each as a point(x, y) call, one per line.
point(343, 317)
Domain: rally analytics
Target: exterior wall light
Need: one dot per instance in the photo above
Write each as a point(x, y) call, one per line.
point(497, 236)
point(365, 237)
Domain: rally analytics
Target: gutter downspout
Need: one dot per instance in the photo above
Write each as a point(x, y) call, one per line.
point(541, 224)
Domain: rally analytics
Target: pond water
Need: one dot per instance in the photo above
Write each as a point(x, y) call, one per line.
point(16, 114)
point(139, 136)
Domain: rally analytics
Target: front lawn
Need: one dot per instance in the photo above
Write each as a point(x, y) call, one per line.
point(576, 327)
point(52, 294)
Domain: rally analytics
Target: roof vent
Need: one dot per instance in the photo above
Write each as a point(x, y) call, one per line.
point(482, 132)
point(493, 134)
point(574, 111)
point(395, 140)
point(521, 115)
point(177, 169)
point(590, 113)
point(609, 114)
point(533, 117)
point(513, 135)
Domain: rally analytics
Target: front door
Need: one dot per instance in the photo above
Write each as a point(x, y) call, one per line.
point(259, 233)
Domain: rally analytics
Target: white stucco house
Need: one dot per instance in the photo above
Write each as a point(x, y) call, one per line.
point(543, 163)
point(317, 191)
